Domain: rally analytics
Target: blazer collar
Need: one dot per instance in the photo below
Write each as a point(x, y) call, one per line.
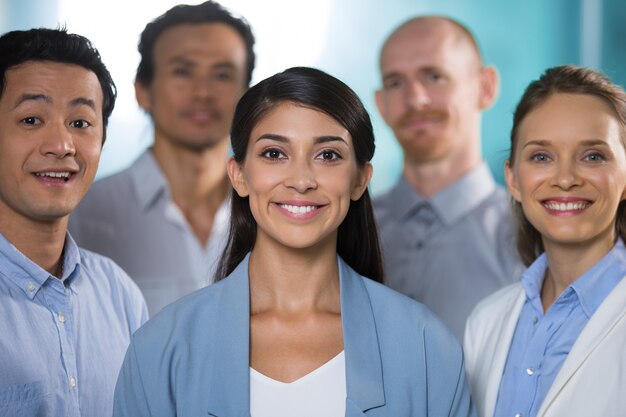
point(229, 364)
point(603, 321)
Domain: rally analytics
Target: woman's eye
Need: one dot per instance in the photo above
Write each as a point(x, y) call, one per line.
point(540, 157)
point(595, 157)
point(272, 154)
point(329, 155)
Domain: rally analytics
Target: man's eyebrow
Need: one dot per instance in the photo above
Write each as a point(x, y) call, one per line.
point(82, 101)
point(34, 97)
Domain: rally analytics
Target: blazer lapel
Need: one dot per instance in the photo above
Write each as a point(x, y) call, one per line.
point(229, 373)
point(610, 312)
point(364, 374)
point(500, 343)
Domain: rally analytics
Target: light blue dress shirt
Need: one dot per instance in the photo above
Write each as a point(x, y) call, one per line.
point(541, 342)
point(451, 250)
point(62, 342)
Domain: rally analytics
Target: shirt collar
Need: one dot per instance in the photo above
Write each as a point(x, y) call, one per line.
point(451, 203)
point(29, 276)
point(148, 180)
point(591, 288)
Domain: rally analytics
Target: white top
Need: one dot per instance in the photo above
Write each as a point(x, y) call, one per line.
point(319, 393)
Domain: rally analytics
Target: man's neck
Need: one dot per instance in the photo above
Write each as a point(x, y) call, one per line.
point(41, 242)
point(197, 181)
point(429, 178)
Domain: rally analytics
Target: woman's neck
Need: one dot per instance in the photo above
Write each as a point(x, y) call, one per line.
point(294, 280)
point(567, 262)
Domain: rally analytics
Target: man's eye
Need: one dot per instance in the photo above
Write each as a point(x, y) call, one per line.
point(31, 120)
point(80, 124)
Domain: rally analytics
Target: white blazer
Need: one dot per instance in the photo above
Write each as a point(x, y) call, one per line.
point(592, 380)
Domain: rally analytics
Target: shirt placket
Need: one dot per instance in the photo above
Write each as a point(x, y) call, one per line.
point(58, 298)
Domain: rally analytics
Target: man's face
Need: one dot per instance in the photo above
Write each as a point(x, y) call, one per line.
point(199, 74)
point(431, 95)
point(51, 132)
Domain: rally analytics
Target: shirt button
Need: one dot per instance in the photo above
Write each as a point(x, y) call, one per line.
point(62, 318)
point(530, 371)
point(31, 287)
point(72, 382)
point(535, 320)
point(518, 415)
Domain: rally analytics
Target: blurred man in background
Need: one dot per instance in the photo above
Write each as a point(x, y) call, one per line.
point(445, 227)
point(165, 219)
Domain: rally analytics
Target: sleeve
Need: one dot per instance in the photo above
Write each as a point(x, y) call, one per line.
point(130, 398)
point(462, 402)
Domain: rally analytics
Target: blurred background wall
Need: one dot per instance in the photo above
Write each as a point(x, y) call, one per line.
point(520, 38)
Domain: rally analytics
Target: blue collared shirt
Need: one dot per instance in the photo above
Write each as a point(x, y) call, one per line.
point(62, 341)
point(451, 250)
point(541, 342)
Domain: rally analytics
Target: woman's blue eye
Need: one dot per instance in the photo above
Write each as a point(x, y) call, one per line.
point(595, 157)
point(540, 157)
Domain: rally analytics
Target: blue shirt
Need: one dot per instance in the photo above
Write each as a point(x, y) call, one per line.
point(62, 341)
point(451, 250)
point(541, 342)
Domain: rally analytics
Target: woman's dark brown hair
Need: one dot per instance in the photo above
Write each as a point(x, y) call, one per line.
point(567, 79)
point(357, 241)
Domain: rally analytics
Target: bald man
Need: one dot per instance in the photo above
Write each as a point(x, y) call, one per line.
point(445, 227)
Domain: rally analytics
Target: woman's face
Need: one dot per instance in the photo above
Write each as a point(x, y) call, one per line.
point(300, 174)
point(569, 172)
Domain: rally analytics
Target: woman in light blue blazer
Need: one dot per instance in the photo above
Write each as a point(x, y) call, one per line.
point(293, 327)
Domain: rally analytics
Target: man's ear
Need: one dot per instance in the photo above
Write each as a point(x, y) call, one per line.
point(364, 175)
point(511, 182)
point(378, 97)
point(237, 179)
point(489, 87)
point(142, 94)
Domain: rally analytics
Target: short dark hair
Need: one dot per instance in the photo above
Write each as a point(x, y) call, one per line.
point(56, 45)
point(207, 12)
point(566, 79)
point(357, 241)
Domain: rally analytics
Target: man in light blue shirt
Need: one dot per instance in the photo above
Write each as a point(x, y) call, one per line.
point(67, 314)
point(445, 228)
point(165, 218)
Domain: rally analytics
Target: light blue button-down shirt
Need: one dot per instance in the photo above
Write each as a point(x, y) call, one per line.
point(451, 250)
point(541, 342)
point(62, 342)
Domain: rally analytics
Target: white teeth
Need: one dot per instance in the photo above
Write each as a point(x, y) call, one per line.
point(553, 205)
point(65, 175)
point(298, 209)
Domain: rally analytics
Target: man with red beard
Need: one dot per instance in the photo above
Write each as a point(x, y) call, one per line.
point(165, 219)
point(445, 227)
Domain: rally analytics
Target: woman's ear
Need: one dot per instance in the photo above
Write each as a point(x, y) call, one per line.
point(511, 181)
point(364, 175)
point(237, 179)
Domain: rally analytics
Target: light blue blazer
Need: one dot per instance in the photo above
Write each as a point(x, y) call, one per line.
point(192, 359)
